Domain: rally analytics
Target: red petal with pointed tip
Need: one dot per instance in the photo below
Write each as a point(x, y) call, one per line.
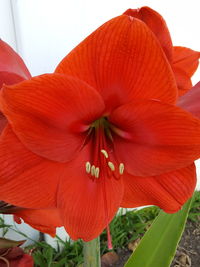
point(12, 67)
point(49, 114)
point(185, 63)
point(86, 205)
point(26, 180)
point(122, 60)
point(155, 137)
point(169, 191)
point(158, 26)
point(44, 220)
point(191, 101)
point(186, 59)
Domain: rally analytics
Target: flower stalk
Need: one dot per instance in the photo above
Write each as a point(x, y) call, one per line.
point(91, 252)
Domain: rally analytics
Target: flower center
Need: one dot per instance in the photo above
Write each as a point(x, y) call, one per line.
point(103, 162)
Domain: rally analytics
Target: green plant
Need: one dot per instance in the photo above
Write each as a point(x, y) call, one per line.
point(124, 229)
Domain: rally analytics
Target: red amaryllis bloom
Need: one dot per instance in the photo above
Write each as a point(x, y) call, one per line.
point(13, 70)
point(184, 61)
point(101, 132)
point(11, 255)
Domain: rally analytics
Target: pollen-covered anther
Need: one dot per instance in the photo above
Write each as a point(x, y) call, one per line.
point(97, 172)
point(121, 168)
point(105, 153)
point(93, 168)
point(111, 166)
point(88, 166)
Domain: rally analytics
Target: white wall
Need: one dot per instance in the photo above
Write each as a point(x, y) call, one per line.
point(14, 231)
point(7, 30)
point(48, 29)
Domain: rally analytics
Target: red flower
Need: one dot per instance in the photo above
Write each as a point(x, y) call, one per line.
point(13, 70)
point(184, 61)
point(11, 255)
point(101, 132)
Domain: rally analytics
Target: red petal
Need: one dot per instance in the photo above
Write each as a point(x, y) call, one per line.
point(186, 59)
point(50, 112)
point(155, 137)
point(87, 205)
point(25, 261)
point(14, 252)
point(157, 24)
point(26, 179)
point(9, 78)
point(191, 100)
point(3, 122)
point(185, 63)
point(12, 67)
point(183, 81)
point(169, 191)
point(44, 220)
point(122, 59)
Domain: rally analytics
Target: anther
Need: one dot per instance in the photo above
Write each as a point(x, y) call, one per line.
point(121, 168)
point(88, 167)
point(97, 172)
point(111, 165)
point(105, 153)
point(93, 170)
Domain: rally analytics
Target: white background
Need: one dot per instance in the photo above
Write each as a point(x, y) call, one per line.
point(44, 31)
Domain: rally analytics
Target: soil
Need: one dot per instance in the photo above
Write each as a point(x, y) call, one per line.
point(187, 254)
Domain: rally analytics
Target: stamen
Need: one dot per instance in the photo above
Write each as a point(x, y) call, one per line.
point(121, 168)
point(111, 166)
point(105, 153)
point(97, 172)
point(88, 167)
point(93, 170)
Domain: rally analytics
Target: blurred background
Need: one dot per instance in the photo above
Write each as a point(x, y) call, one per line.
point(44, 31)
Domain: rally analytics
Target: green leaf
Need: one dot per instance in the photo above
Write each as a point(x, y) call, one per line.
point(39, 259)
point(158, 246)
point(61, 263)
point(48, 255)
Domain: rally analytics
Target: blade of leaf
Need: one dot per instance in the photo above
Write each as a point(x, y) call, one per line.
point(158, 246)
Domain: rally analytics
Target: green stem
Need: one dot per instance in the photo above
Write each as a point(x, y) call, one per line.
point(91, 252)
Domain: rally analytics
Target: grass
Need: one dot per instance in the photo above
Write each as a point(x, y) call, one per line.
point(124, 229)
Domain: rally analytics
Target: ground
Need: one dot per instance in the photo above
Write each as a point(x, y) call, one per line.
point(187, 253)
